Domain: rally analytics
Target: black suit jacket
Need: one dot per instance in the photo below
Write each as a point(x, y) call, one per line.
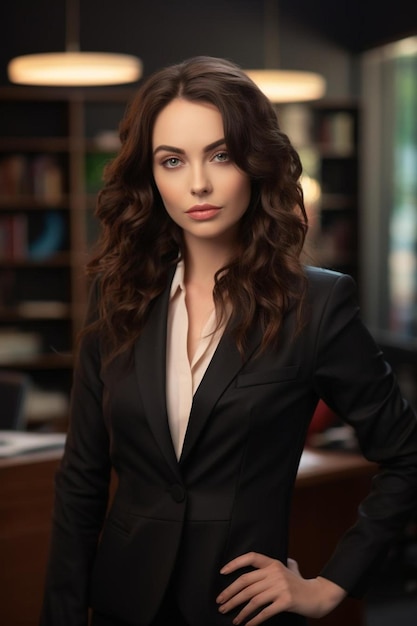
point(230, 491)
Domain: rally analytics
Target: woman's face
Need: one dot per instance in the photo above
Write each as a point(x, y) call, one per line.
point(203, 190)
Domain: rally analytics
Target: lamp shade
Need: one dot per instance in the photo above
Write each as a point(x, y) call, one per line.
point(289, 85)
point(74, 69)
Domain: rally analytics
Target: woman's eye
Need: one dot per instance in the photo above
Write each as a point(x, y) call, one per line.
point(221, 157)
point(171, 162)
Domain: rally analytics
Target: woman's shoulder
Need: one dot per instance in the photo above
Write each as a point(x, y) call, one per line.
point(321, 282)
point(319, 276)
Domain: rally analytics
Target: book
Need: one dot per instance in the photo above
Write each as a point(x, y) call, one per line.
point(13, 237)
point(14, 178)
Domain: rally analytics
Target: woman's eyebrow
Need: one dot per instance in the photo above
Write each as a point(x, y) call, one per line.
point(215, 144)
point(166, 148)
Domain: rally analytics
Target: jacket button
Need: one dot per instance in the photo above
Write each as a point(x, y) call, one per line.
point(177, 493)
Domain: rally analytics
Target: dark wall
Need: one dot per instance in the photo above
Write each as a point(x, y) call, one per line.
point(356, 25)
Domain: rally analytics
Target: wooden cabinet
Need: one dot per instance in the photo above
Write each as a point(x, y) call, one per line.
point(53, 144)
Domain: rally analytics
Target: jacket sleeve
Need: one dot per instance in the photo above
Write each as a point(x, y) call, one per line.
point(81, 495)
point(352, 376)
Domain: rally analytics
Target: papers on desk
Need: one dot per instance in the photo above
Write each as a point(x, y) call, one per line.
point(309, 459)
point(14, 442)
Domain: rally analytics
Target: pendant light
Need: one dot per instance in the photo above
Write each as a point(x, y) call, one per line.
point(73, 67)
point(280, 86)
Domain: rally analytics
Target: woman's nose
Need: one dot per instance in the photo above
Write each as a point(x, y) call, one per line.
point(200, 182)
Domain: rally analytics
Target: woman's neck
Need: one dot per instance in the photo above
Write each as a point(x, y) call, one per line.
point(203, 258)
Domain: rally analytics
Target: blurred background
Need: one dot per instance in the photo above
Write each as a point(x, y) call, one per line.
point(357, 141)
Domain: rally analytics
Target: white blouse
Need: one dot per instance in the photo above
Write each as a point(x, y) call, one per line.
point(184, 377)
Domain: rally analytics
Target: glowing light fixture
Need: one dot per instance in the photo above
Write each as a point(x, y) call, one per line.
point(73, 67)
point(289, 85)
point(283, 85)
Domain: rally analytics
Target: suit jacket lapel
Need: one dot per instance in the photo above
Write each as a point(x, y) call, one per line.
point(224, 366)
point(150, 363)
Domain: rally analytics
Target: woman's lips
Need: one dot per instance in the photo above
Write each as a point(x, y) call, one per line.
point(203, 211)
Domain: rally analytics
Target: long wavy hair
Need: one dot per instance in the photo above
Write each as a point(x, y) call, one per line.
point(139, 243)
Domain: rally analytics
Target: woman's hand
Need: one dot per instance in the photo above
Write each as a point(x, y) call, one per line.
point(272, 588)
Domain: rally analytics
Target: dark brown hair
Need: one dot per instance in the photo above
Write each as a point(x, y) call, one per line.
point(139, 242)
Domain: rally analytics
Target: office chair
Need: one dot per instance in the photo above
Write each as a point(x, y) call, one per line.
point(13, 389)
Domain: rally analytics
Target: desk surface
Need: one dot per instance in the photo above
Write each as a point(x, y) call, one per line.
point(31, 458)
point(325, 465)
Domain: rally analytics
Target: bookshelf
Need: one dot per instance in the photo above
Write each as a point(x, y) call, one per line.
point(53, 145)
point(335, 136)
point(326, 135)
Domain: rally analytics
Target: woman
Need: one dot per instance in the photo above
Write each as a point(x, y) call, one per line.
point(207, 348)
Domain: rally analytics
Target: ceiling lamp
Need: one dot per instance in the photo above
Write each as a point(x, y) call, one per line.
point(283, 85)
point(289, 85)
point(74, 68)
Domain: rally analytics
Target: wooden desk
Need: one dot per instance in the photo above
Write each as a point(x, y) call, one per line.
point(328, 491)
point(329, 487)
